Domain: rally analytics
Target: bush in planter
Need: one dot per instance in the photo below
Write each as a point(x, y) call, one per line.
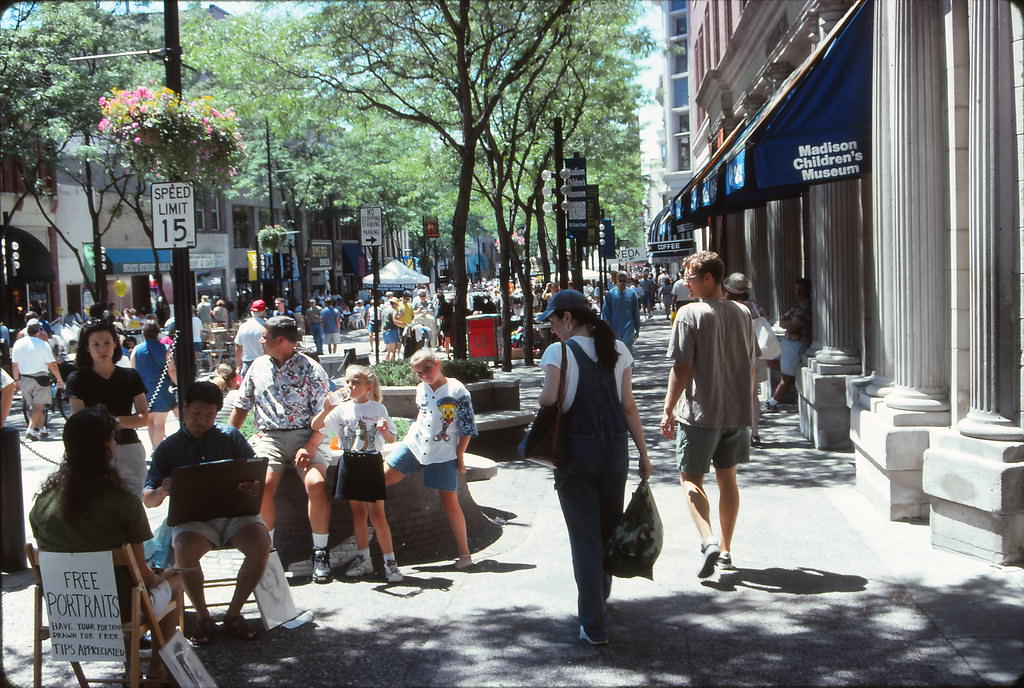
point(399, 373)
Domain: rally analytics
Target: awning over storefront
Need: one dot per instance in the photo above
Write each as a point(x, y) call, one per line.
point(815, 129)
point(28, 259)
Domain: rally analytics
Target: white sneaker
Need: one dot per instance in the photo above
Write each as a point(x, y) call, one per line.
point(31, 434)
point(392, 573)
point(360, 566)
point(44, 434)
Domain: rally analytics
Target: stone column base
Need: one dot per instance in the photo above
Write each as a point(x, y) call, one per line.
point(824, 413)
point(976, 489)
point(889, 448)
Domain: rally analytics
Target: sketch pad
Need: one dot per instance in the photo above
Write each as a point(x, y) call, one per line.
point(209, 490)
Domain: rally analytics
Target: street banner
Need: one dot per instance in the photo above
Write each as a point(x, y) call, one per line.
point(254, 265)
point(576, 199)
point(593, 214)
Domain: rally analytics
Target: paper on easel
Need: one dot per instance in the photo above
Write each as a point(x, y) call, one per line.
point(273, 596)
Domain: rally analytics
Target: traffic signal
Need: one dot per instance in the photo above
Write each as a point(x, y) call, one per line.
point(14, 256)
point(288, 265)
point(105, 261)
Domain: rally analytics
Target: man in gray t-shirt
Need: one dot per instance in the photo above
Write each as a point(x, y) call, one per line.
point(707, 403)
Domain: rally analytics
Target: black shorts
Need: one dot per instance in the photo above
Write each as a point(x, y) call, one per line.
point(361, 477)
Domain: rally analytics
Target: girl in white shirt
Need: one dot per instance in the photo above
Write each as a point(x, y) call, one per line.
point(363, 426)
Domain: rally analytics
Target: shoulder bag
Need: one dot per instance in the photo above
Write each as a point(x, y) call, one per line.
point(766, 339)
point(544, 441)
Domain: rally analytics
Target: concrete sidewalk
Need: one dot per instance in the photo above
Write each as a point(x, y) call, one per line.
point(826, 592)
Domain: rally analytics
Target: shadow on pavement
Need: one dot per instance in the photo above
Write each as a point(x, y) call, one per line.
point(801, 581)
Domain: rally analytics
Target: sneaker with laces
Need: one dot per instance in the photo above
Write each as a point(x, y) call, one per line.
point(360, 566)
point(321, 565)
point(769, 407)
point(709, 554)
point(32, 434)
point(725, 561)
point(44, 434)
point(392, 573)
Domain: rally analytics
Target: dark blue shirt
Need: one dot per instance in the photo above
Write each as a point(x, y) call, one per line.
point(182, 449)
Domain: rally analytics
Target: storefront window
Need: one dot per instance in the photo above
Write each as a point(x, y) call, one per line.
point(241, 226)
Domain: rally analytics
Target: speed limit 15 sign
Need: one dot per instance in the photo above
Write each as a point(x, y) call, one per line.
point(174, 219)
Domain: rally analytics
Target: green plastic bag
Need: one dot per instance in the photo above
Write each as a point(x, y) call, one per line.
point(636, 542)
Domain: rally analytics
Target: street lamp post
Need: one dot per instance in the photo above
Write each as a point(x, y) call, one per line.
point(183, 355)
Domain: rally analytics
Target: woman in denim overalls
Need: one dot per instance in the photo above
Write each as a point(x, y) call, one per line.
point(599, 410)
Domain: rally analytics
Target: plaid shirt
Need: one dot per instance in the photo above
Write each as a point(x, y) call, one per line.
point(285, 396)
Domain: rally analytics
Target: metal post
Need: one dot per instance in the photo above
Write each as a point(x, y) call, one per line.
point(563, 259)
point(376, 303)
point(183, 357)
point(12, 525)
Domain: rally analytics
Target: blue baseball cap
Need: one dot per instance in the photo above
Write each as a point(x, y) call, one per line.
point(564, 300)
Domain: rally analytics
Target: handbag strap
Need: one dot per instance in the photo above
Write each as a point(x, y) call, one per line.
point(561, 378)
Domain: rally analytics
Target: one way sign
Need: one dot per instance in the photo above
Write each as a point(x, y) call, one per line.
point(371, 226)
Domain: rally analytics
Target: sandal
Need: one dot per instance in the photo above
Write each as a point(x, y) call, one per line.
point(239, 627)
point(203, 632)
point(463, 562)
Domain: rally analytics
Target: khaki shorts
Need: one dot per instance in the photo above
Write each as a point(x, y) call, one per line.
point(279, 447)
point(33, 393)
point(697, 448)
point(217, 531)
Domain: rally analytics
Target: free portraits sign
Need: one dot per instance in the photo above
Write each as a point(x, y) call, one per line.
point(82, 606)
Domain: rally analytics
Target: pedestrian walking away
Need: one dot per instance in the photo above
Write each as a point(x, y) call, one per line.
point(599, 411)
point(707, 403)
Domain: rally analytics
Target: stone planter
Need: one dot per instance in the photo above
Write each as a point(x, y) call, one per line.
point(499, 394)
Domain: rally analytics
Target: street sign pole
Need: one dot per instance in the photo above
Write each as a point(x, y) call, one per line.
point(184, 358)
point(371, 230)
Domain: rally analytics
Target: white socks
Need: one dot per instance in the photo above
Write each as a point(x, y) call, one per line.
point(320, 540)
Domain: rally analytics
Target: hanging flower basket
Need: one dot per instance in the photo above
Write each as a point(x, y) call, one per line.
point(272, 237)
point(174, 139)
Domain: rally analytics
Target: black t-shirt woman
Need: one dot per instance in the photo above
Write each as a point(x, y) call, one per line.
point(99, 381)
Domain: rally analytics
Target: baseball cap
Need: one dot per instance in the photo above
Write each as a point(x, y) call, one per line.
point(31, 322)
point(407, 293)
point(258, 305)
point(564, 300)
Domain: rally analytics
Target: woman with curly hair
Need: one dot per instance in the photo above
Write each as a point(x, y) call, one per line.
point(98, 380)
point(82, 507)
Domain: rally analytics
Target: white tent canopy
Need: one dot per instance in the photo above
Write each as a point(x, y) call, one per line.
point(397, 275)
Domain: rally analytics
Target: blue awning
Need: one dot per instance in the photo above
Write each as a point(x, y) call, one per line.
point(815, 129)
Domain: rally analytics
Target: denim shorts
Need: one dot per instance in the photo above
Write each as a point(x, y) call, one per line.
point(697, 448)
point(439, 476)
point(391, 336)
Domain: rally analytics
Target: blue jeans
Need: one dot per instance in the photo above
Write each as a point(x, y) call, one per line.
point(592, 501)
point(318, 337)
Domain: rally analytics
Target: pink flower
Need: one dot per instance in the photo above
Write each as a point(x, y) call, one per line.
point(136, 140)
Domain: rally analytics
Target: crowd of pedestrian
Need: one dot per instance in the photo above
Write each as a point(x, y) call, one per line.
point(710, 410)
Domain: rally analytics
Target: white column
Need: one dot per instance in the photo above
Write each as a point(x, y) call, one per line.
point(755, 229)
point(992, 192)
point(881, 332)
point(835, 258)
point(920, 250)
point(785, 255)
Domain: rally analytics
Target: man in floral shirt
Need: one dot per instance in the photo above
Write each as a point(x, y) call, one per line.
point(287, 389)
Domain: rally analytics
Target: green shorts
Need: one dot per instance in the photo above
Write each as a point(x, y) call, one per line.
point(698, 447)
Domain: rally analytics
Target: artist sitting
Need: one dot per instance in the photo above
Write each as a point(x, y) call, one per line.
point(201, 440)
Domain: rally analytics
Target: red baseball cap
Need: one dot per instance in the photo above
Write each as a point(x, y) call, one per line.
point(258, 305)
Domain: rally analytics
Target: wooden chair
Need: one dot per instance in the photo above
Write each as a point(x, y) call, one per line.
point(143, 619)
